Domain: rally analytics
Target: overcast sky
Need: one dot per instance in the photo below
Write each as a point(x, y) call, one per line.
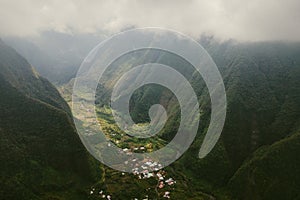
point(238, 19)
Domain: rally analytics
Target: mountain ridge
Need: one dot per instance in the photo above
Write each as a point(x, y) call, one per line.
point(44, 157)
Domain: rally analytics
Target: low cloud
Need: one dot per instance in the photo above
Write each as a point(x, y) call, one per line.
point(237, 19)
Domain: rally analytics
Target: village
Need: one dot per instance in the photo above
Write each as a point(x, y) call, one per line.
point(146, 169)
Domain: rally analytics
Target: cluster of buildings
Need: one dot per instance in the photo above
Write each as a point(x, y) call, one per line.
point(101, 194)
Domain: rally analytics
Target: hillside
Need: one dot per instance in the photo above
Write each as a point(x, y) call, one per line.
point(271, 173)
point(255, 158)
point(262, 85)
point(55, 55)
point(41, 154)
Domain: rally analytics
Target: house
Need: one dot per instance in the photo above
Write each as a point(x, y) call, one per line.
point(167, 195)
point(161, 185)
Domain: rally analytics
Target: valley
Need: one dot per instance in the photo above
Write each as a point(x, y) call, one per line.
point(255, 158)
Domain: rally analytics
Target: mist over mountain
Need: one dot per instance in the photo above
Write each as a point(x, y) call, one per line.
point(52, 133)
point(56, 56)
point(260, 136)
point(257, 156)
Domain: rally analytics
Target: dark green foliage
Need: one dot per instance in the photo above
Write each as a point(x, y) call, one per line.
point(272, 172)
point(41, 154)
point(257, 156)
point(262, 82)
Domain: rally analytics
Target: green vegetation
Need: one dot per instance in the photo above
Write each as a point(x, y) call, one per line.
point(41, 154)
point(256, 158)
point(262, 84)
point(121, 139)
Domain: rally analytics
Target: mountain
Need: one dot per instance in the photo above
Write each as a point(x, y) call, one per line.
point(272, 172)
point(56, 56)
point(41, 155)
point(256, 156)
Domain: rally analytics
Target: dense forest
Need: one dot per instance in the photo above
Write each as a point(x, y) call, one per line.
point(257, 156)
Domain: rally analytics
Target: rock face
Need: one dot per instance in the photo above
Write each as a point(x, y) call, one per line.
point(41, 154)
